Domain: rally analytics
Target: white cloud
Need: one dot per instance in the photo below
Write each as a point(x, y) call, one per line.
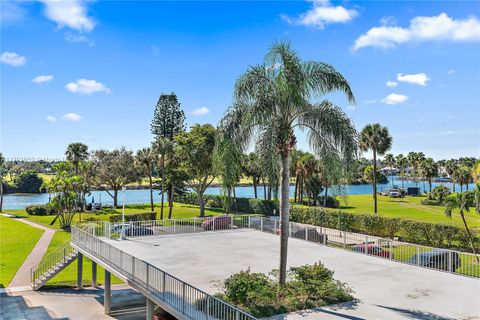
point(370, 101)
point(451, 71)
point(394, 98)
point(42, 79)
point(85, 86)
point(73, 117)
point(391, 84)
point(51, 119)
point(435, 28)
point(321, 14)
point(71, 14)
point(78, 38)
point(419, 78)
point(13, 59)
point(200, 111)
point(388, 21)
point(11, 11)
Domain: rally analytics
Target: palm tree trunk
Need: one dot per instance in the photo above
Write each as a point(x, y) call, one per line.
point(151, 190)
point(469, 235)
point(163, 187)
point(264, 189)
point(115, 198)
point(296, 187)
point(201, 204)
point(453, 181)
point(374, 181)
point(235, 200)
point(255, 187)
point(430, 184)
point(402, 178)
point(325, 197)
point(170, 201)
point(284, 218)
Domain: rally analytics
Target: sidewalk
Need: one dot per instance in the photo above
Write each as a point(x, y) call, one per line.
point(22, 277)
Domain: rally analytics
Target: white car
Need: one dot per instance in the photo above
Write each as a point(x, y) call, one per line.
point(395, 194)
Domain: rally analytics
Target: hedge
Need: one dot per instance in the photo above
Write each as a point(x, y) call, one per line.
point(133, 217)
point(39, 210)
point(424, 233)
point(243, 205)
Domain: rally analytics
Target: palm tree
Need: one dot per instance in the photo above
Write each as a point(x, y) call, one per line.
point(274, 98)
point(3, 170)
point(75, 153)
point(463, 176)
point(451, 167)
point(401, 162)
point(429, 170)
point(460, 201)
point(145, 159)
point(163, 147)
point(390, 162)
point(376, 138)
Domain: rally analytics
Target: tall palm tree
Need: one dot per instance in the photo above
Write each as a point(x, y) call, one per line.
point(75, 153)
point(461, 202)
point(401, 162)
point(164, 148)
point(376, 138)
point(145, 160)
point(274, 98)
point(451, 167)
point(463, 176)
point(390, 162)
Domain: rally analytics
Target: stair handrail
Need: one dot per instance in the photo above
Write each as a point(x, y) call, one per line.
point(49, 261)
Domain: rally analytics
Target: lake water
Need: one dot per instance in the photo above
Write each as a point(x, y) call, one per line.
point(19, 201)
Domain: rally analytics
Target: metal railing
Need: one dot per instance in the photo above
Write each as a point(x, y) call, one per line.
point(455, 262)
point(62, 254)
point(183, 297)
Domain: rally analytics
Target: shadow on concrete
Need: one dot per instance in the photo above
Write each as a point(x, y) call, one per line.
point(334, 310)
point(416, 314)
point(16, 308)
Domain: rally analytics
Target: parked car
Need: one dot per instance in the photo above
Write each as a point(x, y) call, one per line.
point(373, 250)
point(437, 259)
point(216, 223)
point(395, 194)
point(300, 233)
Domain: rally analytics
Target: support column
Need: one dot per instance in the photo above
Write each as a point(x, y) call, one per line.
point(94, 274)
point(107, 293)
point(150, 309)
point(79, 271)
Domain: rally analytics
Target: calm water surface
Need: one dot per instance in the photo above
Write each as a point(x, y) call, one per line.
point(19, 201)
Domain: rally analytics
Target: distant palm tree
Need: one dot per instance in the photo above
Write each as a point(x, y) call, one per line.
point(3, 170)
point(429, 170)
point(145, 159)
point(164, 148)
point(390, 162)
point(461, 202)
point(463, 176)
point(451, 167)
point(273, 99)
point(75, 153)
point(376, 138)
point(401, 162)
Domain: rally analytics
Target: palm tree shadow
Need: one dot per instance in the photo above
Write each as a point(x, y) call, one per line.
point(416, 314)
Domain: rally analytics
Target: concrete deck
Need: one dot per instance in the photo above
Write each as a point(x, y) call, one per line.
point(386, 289)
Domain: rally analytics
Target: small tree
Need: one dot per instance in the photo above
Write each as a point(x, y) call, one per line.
point(440, 193)
point(114, 170)
point(145, 160)
point(461, 202)
point(376, 138)
point(195, 149)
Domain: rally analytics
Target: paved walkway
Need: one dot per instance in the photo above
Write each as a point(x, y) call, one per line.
point(22, 277)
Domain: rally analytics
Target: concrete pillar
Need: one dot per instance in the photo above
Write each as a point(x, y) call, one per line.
point(79, 271)
point(150, 309)
point(107, 293)
point(94, 274)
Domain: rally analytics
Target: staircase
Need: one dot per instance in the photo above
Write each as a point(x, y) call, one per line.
point(52, 264)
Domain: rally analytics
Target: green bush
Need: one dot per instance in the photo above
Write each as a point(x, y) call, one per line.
point(142, 216)
point(430, 202)
point(243, 205)
point(424, 233)
point(331, 202)
point(308, 287)
point(39, 210)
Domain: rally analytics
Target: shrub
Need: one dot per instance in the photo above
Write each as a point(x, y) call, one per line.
point(133, 217)
point(430, 202)
point(39, 209)
point(308, 287)
point(440, 193)
point(244, 205)
point(210, 203)
point(331, 202)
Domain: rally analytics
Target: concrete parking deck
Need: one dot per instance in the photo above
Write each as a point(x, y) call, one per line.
point(385, 289)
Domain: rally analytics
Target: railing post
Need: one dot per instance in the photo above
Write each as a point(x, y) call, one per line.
point(174, 226)
point(344, 240)
point(183, 298)
point(289, 229)
point(366, 244)
point(147, 277)
point(213, 227)
point(450, 261)
point(261, 224)
point(231, 227)
point(194, 224)
point(163, 285)
point(208, 307)
point(390, 247)
point(306, 233)
point(418, 255)
point(249, 223)
point(237, 315)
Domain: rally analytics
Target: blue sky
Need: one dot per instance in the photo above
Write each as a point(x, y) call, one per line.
point(92, 71)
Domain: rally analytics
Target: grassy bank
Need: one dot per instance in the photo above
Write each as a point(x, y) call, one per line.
point(17, 240)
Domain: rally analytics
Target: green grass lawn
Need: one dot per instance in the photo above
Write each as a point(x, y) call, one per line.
point(17, 240)
point(408, 208)
point(180, 211)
